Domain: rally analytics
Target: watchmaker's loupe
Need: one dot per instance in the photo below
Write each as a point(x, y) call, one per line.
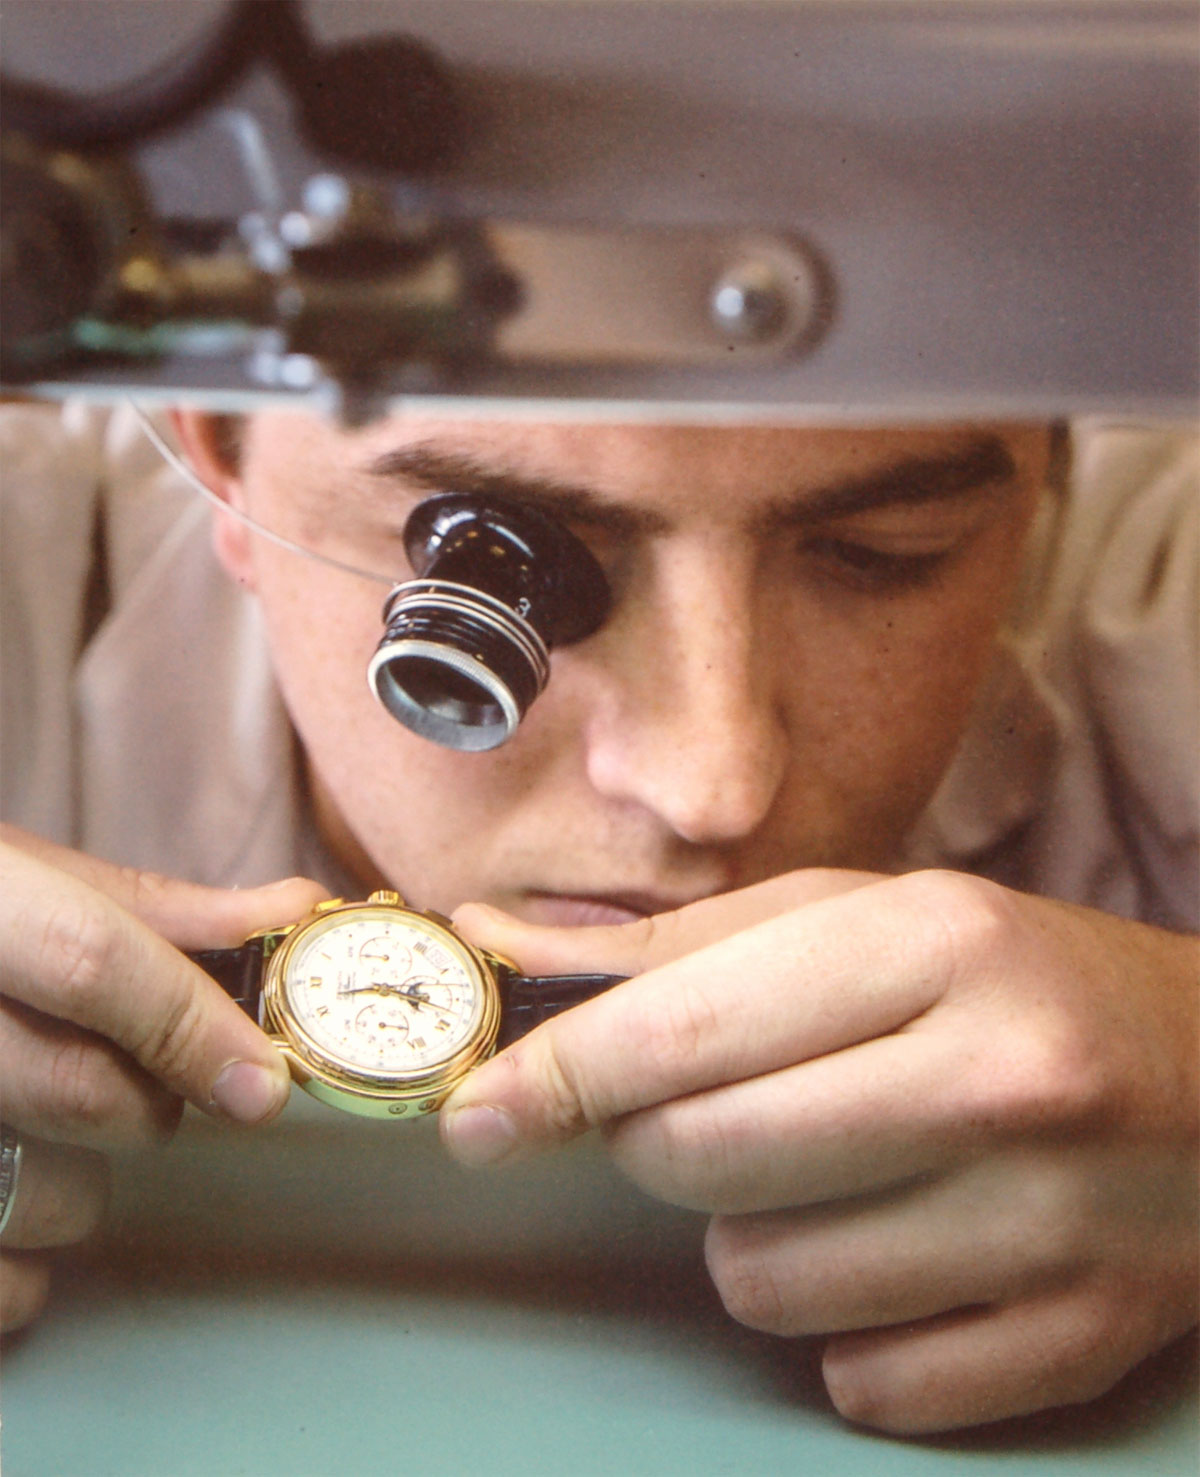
point(466, 646)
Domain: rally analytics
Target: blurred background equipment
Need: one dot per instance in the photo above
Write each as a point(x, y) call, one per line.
point(803, 209)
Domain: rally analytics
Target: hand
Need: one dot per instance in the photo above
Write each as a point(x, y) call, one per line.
point(951, 1127)
point(105, 1028)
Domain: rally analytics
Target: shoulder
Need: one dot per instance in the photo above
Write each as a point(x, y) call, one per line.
point(1131, 526)
point(1124, 573)
point(1117, 638)
point(86, 511)
point(1078, 776)
point(1126, 511)
point(52, 459)
point(66, 469)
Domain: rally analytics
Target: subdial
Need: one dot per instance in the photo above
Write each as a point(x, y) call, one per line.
point(386, 957)
point(383, 1023)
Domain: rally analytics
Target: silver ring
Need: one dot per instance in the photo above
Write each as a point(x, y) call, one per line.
point(10, 1171)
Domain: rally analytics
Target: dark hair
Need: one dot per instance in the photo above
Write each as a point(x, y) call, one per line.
point(227, 434)
point(1058, 468)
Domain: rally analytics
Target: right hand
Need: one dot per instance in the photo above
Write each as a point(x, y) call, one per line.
point(105, 1030)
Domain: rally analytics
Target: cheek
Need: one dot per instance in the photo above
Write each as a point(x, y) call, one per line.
point(880, 700)
point(427, 819)
point(322, 628)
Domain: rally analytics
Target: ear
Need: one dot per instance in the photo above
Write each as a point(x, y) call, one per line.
point(212, 454)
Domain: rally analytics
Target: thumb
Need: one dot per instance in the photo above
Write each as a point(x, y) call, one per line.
point(634, 948)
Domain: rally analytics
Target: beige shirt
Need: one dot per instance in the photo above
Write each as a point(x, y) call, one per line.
point(158, 739)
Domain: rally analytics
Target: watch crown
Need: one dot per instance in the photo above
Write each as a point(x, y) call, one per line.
point(385, 895)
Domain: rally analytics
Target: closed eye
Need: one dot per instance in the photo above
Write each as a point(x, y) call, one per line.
point(866, 567)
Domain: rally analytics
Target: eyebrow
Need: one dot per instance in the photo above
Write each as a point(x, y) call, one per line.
point(941, 476)
point(437, 470)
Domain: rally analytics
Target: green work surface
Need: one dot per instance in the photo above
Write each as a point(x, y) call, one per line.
point(412, 1317)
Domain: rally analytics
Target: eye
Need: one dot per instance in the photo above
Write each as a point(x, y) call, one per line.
point(869, 568)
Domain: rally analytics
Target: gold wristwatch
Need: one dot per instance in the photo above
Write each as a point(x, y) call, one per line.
point(382, 1010)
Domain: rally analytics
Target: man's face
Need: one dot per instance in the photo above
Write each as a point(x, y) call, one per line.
point(801, 618)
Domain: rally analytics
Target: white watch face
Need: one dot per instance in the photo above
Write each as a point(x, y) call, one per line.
point(382, 992)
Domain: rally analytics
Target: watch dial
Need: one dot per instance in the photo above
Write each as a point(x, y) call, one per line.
point(383, 992)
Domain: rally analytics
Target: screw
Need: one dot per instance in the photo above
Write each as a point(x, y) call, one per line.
point(327, 196)
point(748, 302)
point(281, 370)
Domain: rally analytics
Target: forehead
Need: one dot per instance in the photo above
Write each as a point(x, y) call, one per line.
point(670, 469)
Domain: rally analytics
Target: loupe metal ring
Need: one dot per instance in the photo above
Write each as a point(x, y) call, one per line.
point(421, 603)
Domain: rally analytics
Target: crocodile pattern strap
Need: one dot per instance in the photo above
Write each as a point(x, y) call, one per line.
point(239, 972)
point(527, 1002)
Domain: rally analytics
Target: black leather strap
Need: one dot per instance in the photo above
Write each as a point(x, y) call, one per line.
point(239, 972)
point(527, 1002)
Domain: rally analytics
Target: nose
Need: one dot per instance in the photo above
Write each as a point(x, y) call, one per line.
point(689, 722)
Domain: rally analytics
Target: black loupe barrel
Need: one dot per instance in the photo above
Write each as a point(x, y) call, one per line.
point(466, 645)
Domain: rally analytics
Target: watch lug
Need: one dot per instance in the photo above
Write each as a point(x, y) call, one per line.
point(498, 961)
point(272, 937)
point(298, 1067)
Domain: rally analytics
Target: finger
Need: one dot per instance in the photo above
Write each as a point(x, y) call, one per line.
point(71, 952)
point(994, 1233)
point(72, 1086)
point(845, 1124)
point(633, 948)
point(980, 1365)
point(59, 1198)
point(808, 982)
point(189, 915)
point(24, 1285)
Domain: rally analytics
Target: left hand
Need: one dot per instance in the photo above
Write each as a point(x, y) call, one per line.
point(950, 1126)
point(105, 1030)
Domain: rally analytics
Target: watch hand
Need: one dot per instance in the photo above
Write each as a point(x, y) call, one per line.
point(416, 999)
point(409, 993)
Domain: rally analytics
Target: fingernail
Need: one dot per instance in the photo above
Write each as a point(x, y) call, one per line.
point(248, 1093)
point(480, 1135)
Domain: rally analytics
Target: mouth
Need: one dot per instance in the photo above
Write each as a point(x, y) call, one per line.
point(583, 910)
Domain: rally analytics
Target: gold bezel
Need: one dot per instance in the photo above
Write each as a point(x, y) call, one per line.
point(335, 1081)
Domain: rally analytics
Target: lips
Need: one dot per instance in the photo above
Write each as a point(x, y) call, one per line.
point(566, 910)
